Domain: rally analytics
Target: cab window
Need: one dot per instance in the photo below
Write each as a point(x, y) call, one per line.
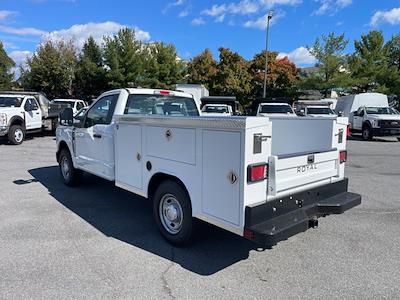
point(102, 111)
point(31, 104)
point(79, 105)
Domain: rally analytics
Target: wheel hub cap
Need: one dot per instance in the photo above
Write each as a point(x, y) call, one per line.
point(18, 135)
point(171, 214)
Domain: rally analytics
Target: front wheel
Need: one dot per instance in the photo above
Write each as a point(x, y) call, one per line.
point(173, 213)
point(16, 135)
point(367, 133)
point(70, 175)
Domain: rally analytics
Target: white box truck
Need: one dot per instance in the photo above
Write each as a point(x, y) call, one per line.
point(370, 115)
point(261, 179)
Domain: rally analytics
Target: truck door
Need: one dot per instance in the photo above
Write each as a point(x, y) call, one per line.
point(358, 119)
point(94, 141)
point(33, 114)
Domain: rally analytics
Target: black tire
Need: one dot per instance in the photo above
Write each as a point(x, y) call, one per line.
point(69, 174)
point(367, 133)
point(16, 135)
point(170, 190)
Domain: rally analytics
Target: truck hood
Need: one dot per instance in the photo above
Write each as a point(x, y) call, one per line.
point(385, 117)
point(10, 111)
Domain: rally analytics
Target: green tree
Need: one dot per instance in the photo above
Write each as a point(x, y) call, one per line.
point(393, 48)
point(90, 74)
point(162, 68)
point(281, 77)
point(6, 64)
point(370, 64)
point(124, 59)
point(331, 63)
point(202, 69)
point(233, 76)
point(51, 69)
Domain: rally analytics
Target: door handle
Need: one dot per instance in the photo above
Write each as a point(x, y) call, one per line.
point(97, 136)
point(37, 113)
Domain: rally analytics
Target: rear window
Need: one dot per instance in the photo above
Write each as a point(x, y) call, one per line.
point(381, 111)
point(276, 109)
point(320, 111)
point(161, 105)
point(216, 109)
point(66, 103)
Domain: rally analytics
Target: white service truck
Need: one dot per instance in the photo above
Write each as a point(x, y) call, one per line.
point(25, 112)
point(261, 179)
point(370, 115)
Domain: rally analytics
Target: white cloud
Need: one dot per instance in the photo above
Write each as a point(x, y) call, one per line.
point(4, 14)
point(331, 6)
point(220, 18)
point(22, 31)
point(175, 3)
point(81, 32)
point(261, 22)
point(389, 16)
point(300, 56)
point(19, 57)
point(245, 7)
point(198, 21)
point(183, 13)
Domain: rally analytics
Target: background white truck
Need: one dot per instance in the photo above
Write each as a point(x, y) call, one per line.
point(261, 179)
point(273, 109)
point(370, 115)
point(25, 112)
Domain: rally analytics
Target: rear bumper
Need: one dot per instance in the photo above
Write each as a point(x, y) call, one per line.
point(386, 132)
point(277, 220)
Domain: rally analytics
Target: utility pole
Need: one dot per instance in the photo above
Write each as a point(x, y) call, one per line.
point(269, 17)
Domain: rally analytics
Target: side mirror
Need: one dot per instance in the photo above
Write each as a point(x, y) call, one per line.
point(340, 113)
point(67, 117)
point(355, 114)
point(302, 113)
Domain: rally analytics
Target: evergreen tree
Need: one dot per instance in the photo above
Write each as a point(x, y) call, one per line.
point(51, 69)
point(90, 75)
point(331, 62)
point(124, 59)
point(370, 65)
point(6, 64)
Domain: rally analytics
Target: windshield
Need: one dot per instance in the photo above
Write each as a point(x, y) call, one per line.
point(215, 109)
point(163, 105)
point(66, 103)
point(10, 101)
point(276, 109)
point(380, 111)
point(320, 111)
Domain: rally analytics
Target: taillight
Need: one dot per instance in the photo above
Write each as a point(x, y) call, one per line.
point(343, 156)
point(164, 92)
point(258, 172)
point(348, 130)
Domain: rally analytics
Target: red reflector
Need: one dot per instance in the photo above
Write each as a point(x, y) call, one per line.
point(257, 172)
point(343, 156)
point(348, 130)
point(164, 92)
point(248, 234)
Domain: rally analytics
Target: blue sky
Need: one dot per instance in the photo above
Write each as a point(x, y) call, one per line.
point(195, 25)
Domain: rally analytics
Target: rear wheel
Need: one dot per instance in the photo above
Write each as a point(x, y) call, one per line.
point(16, 135)
point(173, 213)
point(367, 133)
point(70, 175)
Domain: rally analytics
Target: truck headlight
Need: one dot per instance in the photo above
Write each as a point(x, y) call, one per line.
point(3, 120)
point(376, 123)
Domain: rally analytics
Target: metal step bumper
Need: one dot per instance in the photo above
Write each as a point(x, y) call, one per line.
point(277, 220)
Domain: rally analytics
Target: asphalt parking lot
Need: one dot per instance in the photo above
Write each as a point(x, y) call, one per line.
point(97, 241)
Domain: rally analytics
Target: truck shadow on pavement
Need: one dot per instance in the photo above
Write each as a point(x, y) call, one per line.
point(129, 218)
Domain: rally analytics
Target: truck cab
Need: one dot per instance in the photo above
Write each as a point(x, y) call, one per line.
point(19, 114)
point(375, 121)
point(275, 109)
